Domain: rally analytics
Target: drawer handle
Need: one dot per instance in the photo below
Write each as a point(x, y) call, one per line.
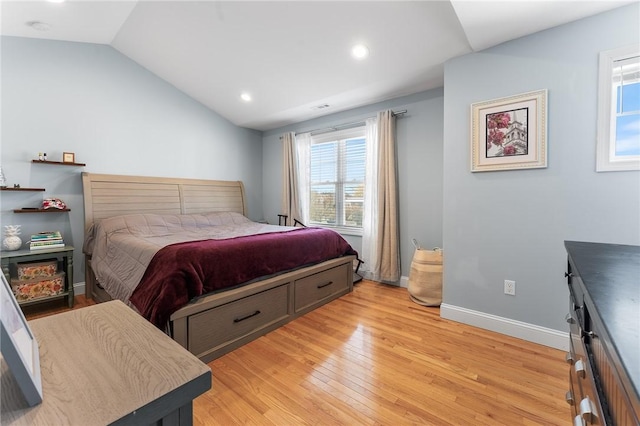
point(579, 421)
point(580, 370)
point(569, 358)
point(568, 318)
point(569, 397)
point(247, 317)
point(587, 411)
point(324, 285)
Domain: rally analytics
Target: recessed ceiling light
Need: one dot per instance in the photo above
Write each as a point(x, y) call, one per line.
point(40, 26)
point(359, 51)
point(245, 97)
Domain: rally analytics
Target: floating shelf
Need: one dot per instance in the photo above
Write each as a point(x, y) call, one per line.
point(59, 163)
point(22, 189)
point(41, 210)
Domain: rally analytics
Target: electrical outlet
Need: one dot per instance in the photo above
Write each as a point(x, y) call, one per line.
point(510, 287)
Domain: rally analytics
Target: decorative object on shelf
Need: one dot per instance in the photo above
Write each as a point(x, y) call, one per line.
point(509, 133)
point(44, 157)
point(53, 203)
point(40, 156)
point(3, 180)
point(46, 240)
point(16, 185)
point(12, 241)
point(68, 157)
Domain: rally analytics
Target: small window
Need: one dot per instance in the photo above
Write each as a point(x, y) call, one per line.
point(619, 110)
point(337, 179)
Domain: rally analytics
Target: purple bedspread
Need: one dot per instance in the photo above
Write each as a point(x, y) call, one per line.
point(179, 272)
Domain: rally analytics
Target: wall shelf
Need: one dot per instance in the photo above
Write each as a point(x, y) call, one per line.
point(41, 210)
point(59, 163)
point(22, 189)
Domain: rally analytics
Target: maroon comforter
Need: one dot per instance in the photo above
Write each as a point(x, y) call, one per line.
point(180, 272)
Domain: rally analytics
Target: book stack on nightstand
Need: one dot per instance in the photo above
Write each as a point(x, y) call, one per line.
point(46, 240)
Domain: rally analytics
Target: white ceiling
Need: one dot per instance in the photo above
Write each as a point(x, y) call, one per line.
point(292, 56)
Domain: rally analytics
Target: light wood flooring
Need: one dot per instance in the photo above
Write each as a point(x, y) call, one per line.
point(373, 357)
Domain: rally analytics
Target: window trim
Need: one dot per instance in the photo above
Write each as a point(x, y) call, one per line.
point(606, 160)
point(337, 135)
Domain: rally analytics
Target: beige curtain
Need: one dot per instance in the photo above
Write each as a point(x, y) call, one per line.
point(290, 192)
point(380, 241)
point(388, 198)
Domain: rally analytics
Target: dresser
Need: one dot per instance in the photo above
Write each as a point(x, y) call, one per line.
point(604, 321)
point(105, 364)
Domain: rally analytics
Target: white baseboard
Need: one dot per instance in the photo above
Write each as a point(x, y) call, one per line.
point(404, 282)
point(522, 330)
point(78, 288)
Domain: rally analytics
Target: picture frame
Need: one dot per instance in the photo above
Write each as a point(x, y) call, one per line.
point(509, 133)
point(19, 346)
point(68, 157)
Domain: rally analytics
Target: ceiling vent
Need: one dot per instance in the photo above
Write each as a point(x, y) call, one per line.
point(39, 26)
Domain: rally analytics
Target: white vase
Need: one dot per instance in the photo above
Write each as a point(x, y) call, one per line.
point(12, 241)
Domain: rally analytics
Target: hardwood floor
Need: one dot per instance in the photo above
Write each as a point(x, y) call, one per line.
point(374, 357)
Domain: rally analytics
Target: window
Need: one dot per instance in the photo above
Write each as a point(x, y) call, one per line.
point(337, 180)
point(619, 110)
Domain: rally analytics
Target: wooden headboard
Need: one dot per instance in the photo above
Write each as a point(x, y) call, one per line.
point(112, 195)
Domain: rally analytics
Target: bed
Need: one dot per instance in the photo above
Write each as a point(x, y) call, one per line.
point(156, 228)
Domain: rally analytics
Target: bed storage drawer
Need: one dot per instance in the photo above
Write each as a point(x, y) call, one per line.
point(215, 328)
point(317, 288)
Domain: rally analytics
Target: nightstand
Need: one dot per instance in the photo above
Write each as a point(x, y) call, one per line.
point(106, 365)
point(63, 258)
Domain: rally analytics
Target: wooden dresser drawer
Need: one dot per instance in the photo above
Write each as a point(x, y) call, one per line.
point(316, 288)
point(221, 326)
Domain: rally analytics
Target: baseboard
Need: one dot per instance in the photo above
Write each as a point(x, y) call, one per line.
point(404, 281)
point(78, 288)
point(522, 330)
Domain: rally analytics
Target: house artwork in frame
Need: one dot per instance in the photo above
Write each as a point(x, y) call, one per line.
point(509, 133)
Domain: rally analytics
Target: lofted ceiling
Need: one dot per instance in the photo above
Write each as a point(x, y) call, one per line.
point(292, 56)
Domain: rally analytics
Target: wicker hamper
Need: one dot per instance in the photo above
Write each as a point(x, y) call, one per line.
point(425, 277)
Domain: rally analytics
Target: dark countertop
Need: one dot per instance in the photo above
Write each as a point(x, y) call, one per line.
point(611, 275)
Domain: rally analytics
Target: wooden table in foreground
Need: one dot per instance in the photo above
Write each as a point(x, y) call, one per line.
point(104, 364)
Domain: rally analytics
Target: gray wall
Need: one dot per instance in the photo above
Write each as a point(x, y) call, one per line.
point(118, 118)
point(419, 150)
point(512, 224)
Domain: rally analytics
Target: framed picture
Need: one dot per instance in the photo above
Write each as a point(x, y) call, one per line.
point(68, 157)
point(19, 347)
point(509, 133)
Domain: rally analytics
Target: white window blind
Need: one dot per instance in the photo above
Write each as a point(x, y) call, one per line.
point(337, 179)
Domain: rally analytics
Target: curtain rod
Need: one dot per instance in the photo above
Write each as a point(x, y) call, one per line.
point(346, 125)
